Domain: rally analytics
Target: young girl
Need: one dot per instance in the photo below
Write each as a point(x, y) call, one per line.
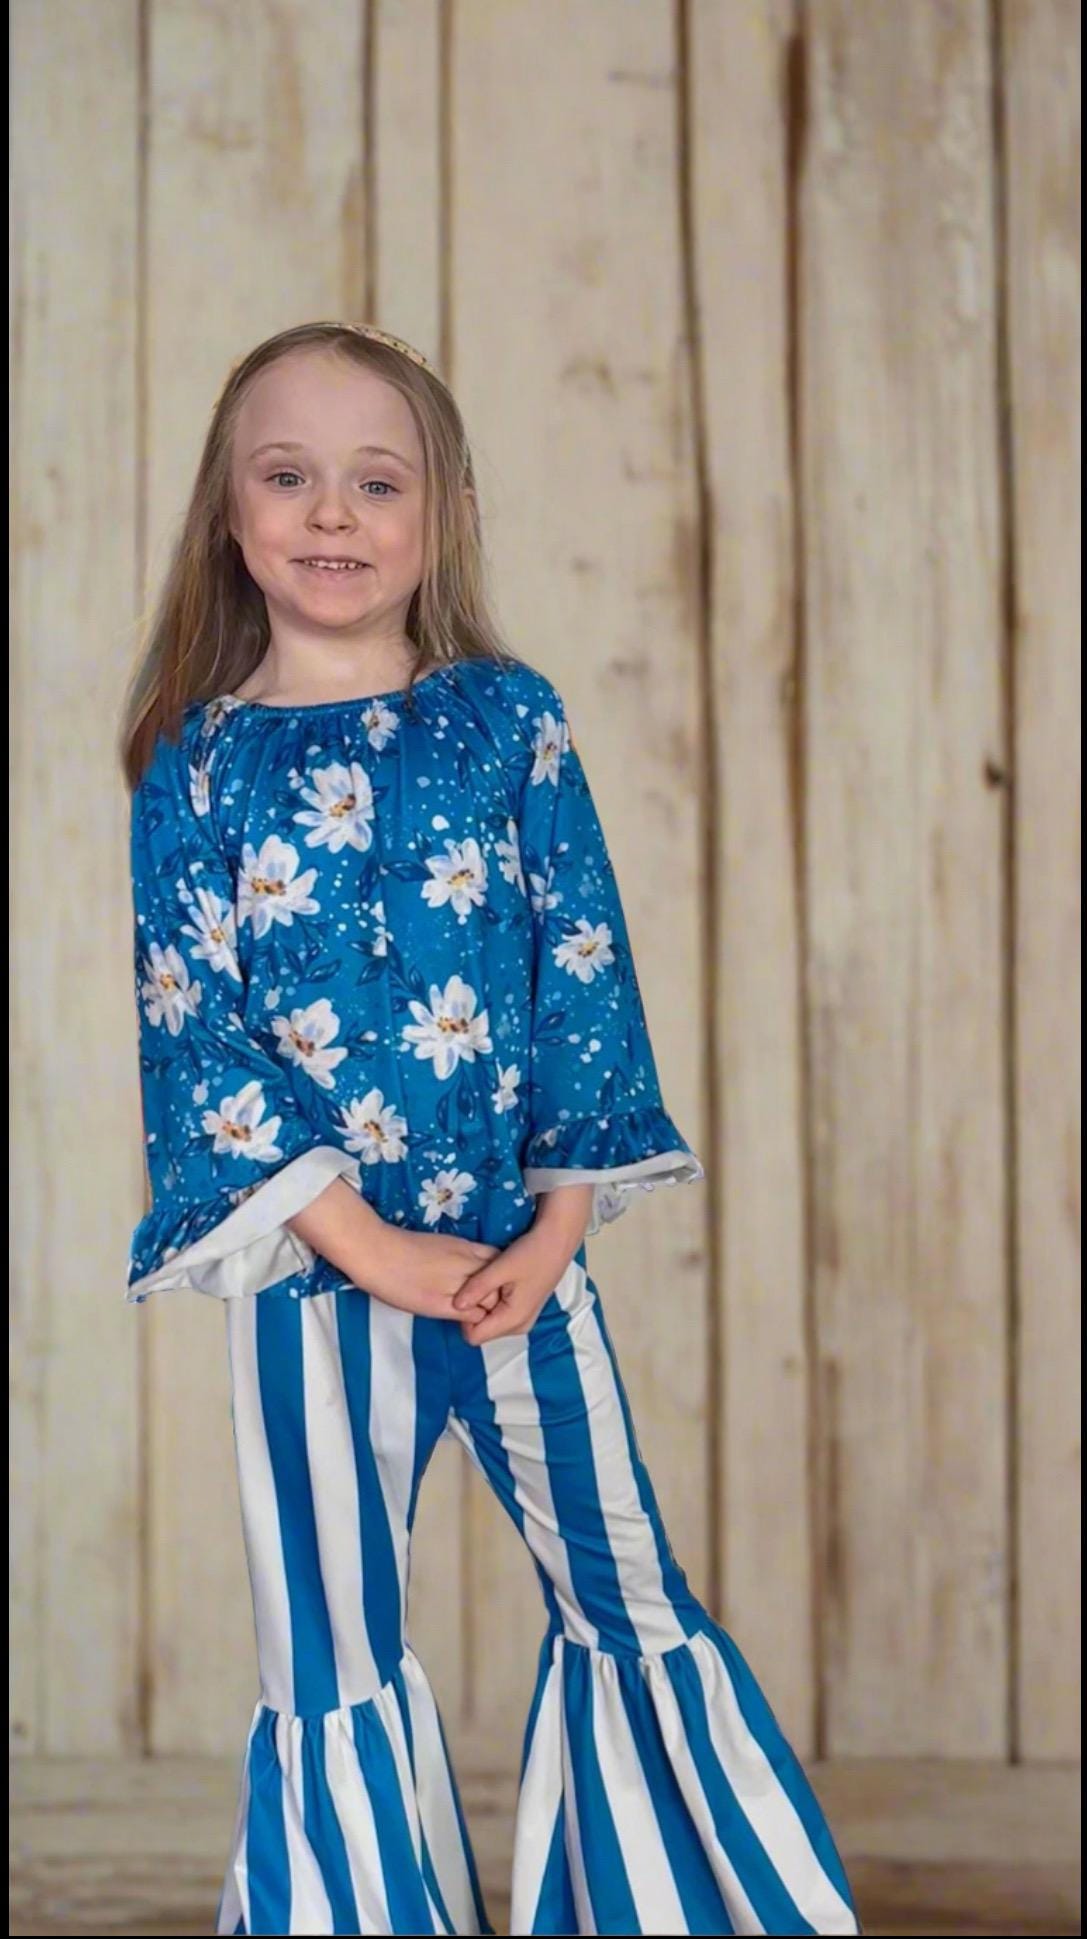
point(395, 1069)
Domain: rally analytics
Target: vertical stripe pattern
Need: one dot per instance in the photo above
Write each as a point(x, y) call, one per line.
point(657, 1794)
point(341, 1827)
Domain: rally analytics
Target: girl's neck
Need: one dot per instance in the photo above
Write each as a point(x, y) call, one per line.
point(266, 683)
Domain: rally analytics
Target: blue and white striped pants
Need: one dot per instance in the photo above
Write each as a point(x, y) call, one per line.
point(657, 1794)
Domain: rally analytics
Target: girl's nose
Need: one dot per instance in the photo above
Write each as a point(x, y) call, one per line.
point(331, 509)
point(342, 521)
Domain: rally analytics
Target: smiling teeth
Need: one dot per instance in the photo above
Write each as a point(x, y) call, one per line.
point(334, 565)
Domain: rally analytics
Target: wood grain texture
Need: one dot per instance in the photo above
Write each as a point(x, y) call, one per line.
point(569, 358)
point(938, 1848)
point(254, 223)
point(75, 1167)
point(406, 295)
point(903, 741)
point(740, 61)
point(1041, 94)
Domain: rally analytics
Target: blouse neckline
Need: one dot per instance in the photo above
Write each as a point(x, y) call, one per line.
point(333, 706)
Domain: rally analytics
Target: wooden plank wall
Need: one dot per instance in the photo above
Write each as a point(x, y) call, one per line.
point(764, 319)
point(904, 748)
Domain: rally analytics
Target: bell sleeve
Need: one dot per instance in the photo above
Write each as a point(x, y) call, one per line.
point(596, 1115)
point(230, 1154)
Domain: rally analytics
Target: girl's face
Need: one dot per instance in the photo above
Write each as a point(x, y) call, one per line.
point(327, 464)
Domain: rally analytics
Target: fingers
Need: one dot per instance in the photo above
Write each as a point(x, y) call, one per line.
point(494, 1326)
point(478, 1307)
point(474, 1315)
point(478, 1285)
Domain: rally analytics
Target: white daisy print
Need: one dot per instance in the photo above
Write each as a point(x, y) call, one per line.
point(341, 808)
point(450, 1029)
point(270, 888)
point(549, 745)
point(382, 933)
point(505, 1098)
point(374, 1129)
point(509, 857)
point(381, 724)
point(543, 895)
point(200, 788)
point(169, 994)
point(217, 710)
point(443, 1196)
point(459, 877)
point(237, 1126)
point(586, 951)
point(305, 1037)
point(214, 933)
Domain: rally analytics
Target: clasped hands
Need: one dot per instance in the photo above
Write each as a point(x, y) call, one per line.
point(491, 1290)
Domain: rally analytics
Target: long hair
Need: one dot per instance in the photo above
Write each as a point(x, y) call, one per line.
point(209, 628)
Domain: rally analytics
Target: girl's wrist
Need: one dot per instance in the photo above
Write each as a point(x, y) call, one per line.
point(346, 1230)
point(563, 1214)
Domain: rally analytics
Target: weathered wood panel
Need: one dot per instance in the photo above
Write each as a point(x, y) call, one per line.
point(930, 1848)
point(903, 842)
point(1041, 94)
point(75, 1152)
point(406, 294)
point(569, 357)
point(741, 68)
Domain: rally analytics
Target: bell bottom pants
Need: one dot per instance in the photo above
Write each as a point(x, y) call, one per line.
point(657, 1792)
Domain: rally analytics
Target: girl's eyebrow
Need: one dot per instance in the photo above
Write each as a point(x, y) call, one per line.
point(374, 450)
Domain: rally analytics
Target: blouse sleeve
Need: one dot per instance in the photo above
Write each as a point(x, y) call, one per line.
point(230, 1154)
point(595, 1109)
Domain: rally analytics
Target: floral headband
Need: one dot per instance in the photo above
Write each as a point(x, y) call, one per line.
point(395, 343)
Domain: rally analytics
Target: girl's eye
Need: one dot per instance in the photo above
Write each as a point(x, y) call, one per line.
point(383, 482)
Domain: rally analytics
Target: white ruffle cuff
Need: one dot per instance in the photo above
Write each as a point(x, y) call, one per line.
point(613, 1189)
point(253, 1247)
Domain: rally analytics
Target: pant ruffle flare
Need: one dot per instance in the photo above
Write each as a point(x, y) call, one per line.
point(351, 1822)
point(658, 1795)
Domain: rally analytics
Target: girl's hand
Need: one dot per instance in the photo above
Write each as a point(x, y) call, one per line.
point(513, 1286)
point(422, 1272)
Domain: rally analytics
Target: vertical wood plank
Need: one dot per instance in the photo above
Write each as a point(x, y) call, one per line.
point(408, 164)
point(903, 864)
point(255, 224)
point(75, 1143)
point(573, 369)
point(406, 298)
point(740, 69)
point(1041, 92)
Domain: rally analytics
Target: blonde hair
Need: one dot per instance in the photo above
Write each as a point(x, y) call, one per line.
point(209, 628)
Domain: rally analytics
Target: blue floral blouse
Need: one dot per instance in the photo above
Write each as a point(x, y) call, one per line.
point(380, 939)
